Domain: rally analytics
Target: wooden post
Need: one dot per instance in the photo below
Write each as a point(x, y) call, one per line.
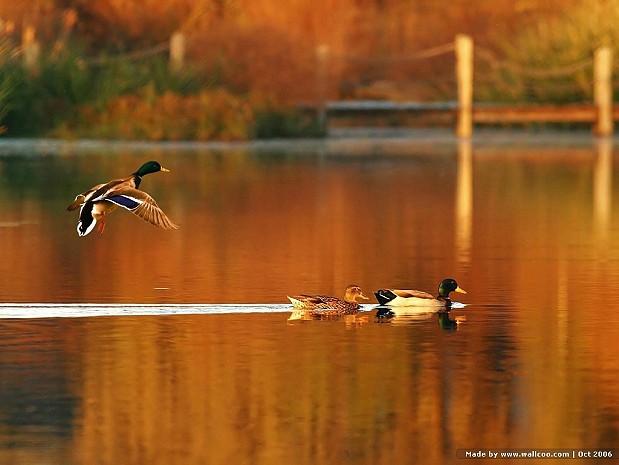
point(464, 76)
point(603, 91)
point(177, 51)
point(322, 54)
point(31, 49)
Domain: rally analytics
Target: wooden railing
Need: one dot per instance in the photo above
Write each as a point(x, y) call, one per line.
point(600, 113)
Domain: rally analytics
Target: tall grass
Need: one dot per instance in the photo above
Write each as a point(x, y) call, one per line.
point(36, 102)
point(126, 99)
point(554, 43)
point(8, 86)
point(149, 115)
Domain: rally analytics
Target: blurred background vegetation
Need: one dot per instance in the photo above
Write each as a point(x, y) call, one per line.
point(102, 68)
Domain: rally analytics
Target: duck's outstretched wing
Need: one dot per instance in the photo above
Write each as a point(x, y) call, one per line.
point(141, 204)
point(80, 199)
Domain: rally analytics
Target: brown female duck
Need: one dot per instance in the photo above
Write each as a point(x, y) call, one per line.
point(323, 305)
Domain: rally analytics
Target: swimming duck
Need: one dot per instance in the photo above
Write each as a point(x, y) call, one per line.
point(404, 298)
point(326, 305)
point(101, 200)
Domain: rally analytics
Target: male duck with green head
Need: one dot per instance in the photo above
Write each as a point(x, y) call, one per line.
point(411, 298)
point(101, 200)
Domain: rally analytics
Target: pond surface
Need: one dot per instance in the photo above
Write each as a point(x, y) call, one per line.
point(143, 346)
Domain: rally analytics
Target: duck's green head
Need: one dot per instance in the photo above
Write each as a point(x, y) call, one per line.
point(150, 167)
point(449, 285)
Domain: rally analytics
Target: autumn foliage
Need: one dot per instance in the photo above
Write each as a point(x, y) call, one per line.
point(269, 49)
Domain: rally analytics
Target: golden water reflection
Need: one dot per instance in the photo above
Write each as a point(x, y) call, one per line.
point(602, 190)
point(464, 200)
point(249, 388)
point(528, 230)
point(255, 227)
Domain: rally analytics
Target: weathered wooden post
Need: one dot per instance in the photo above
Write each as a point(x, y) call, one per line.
point(322, 55)
point(603, 91)
point(177, 51)
point(31, 49)
point(464, 76)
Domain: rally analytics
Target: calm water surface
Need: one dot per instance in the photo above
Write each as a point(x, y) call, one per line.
point(529, 230)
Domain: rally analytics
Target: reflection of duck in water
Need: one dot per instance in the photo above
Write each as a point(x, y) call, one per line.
point(384, 313)
point(399, 298)
point(387, 314)
point(323, 305)
point(103, 199)
point(447, 323)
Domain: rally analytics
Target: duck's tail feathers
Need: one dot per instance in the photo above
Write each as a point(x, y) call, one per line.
point(296, 303)
point(384, 296)
point(87, 222)
point(84, 228)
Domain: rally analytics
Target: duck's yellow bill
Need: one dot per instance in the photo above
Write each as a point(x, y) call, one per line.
point(460, 290)
point(165, 170)
point(362, 296)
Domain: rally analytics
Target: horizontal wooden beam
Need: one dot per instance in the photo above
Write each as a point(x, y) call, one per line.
point(351, 106)
point(569, 113)
point(482, 113)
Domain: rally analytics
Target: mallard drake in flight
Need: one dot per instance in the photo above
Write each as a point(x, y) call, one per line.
point(410, 298)
point(101, 200)
point(326, 305)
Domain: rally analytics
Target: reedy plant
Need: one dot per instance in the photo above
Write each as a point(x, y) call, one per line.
point(551, 61)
